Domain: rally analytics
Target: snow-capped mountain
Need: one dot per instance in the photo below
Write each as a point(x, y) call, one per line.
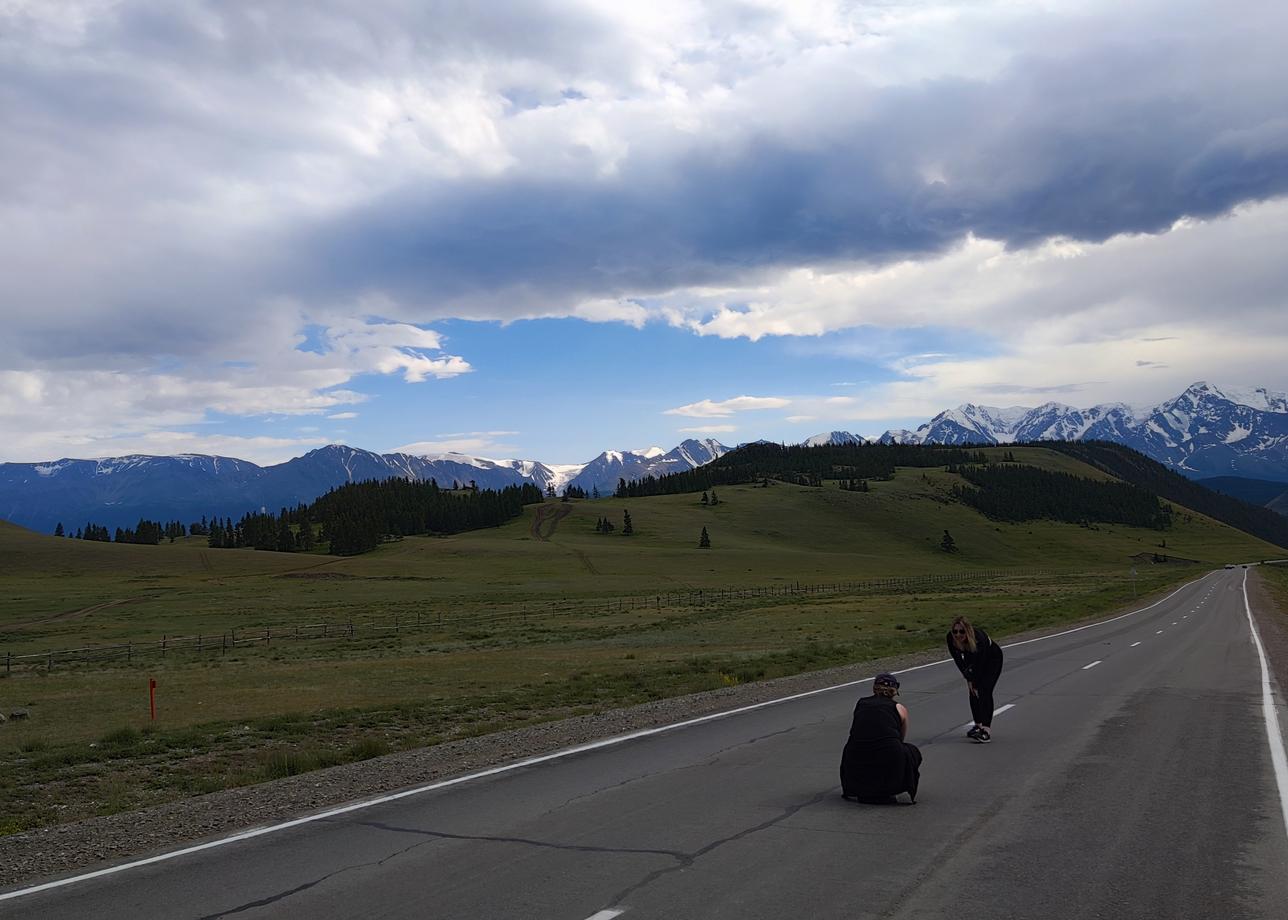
point(835, 438)
point(604, 471)
point(117, 492)
point(1205, 431)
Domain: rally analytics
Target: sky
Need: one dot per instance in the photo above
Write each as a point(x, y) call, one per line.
point(545, 229)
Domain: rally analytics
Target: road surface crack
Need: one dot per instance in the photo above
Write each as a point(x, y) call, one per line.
point(290, 892)
point(522, 841)
point(686, 861)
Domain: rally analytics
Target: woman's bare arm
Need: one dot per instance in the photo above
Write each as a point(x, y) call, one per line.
point(903, 720)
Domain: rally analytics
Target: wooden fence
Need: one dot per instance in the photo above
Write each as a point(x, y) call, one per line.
point(222, 642)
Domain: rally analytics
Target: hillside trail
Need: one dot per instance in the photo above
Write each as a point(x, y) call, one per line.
point(549, 514)
point(82, 612)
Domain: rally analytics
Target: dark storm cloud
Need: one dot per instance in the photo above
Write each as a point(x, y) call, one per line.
point(174, 168)
point(1118, 135)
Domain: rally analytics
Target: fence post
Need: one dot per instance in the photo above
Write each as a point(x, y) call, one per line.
point(198, 641)
point(8, 661)
point(129, 652)
point(268, 634)
point(163, 638)
point(223, 643)
point(49, 662)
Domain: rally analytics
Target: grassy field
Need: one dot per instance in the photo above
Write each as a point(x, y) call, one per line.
point(514, 626)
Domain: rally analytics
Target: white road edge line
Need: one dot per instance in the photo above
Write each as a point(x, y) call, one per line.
point(528, 762)
point(1273, 735)
point(1134, 644)
point(1088, 667)
point(996, 712)
point(605, 915)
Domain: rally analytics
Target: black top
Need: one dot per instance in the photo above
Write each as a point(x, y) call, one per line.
point(976, 665)
point(876, 762)
point(876, 719)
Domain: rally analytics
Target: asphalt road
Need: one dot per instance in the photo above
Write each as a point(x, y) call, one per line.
point(1131, 778)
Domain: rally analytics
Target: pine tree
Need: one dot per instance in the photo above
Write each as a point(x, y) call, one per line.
point(58, 531)
point(627, 528)
point(305, 536)
point(714, 499)
point(704, 542)
point(706, 500)
point(285, 538)
point(948, 544)
point(594, 491)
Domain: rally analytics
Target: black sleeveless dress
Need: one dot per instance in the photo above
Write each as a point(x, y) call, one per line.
point(877, 764)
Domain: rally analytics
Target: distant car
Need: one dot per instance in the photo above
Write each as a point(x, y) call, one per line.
point(1229, 565)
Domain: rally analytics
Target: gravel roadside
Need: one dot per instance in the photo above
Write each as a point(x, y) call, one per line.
point(93, 843)
point(1272, 624)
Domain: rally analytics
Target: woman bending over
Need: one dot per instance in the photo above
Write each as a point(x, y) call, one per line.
point(979, 659)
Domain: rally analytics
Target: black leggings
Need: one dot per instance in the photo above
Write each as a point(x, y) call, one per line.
point(981, 701)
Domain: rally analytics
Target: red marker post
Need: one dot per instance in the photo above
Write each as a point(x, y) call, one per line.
point(152, 697)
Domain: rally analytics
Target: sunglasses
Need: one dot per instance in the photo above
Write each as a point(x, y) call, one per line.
point(959, 632)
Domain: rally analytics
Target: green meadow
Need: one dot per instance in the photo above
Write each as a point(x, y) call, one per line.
point(531, 621)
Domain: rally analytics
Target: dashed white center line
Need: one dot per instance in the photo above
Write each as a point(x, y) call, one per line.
point(996, 712)
point(1134, 644)
point(1173, 622)
point(606, 915)
point(1087, 667)
point(1158, 633)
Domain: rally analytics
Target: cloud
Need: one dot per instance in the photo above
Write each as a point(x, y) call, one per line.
point(526, 159)
point(96, 411)
point(474, 444)
point(710, 409)
point(190, 187)
point(342, 415)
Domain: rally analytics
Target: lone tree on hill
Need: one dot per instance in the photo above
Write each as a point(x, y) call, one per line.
point(627, 528)
point(704, 542)
point(948, 544)
point(706, 500)
point(714, 499)
point(58, 531)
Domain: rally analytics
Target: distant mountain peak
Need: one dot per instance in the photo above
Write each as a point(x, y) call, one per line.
point(1204, 430)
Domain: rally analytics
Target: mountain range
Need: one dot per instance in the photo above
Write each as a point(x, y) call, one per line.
point(117, 492)
point(1204, 432)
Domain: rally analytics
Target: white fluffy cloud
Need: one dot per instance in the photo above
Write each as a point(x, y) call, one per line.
point(469, 443)
point(711, 409)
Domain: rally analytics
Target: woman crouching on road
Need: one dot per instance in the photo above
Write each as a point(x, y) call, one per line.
point(979, 659)
point(878, 763)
